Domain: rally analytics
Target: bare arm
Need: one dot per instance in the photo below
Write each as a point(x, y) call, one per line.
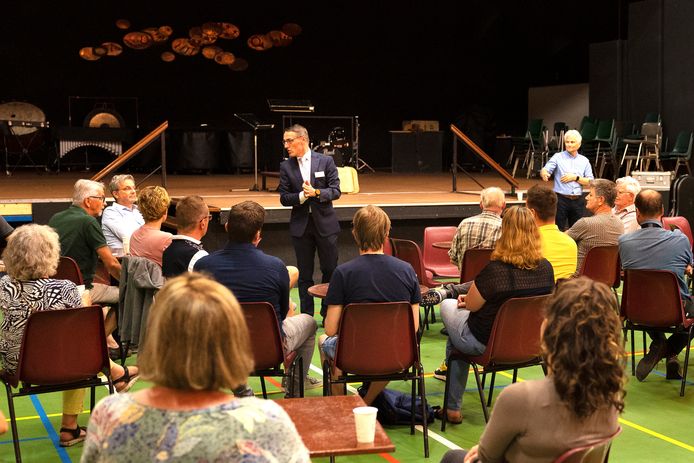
point(111, 263)
point(415, 316)
point(332, 319)
point(472, 301)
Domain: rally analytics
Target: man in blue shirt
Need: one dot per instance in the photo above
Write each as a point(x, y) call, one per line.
point(254, 276)
point(653, 248)
point(572, 172)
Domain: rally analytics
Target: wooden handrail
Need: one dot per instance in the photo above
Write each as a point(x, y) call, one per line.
point(485, 157)
point(132, 151)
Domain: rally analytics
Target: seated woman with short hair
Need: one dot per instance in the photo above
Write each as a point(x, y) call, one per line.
point(580, 399)
point(197, 345)
point(31, 258)
point(148, 240)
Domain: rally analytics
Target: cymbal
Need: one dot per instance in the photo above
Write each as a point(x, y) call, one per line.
point(100, 51)
point(167, 56)
point(259, 42)
point(211, 51)
point(166, 30)
point(88, 54)
point(112, 48)
point(239, 64)
point(211, 29)
point(184, 47)
point(137, 40)
point(199, 38)
point(291, 29)
point(229, 31)
point(279, 38)
point(224, 58)
point(156, 35)
point(123, 24)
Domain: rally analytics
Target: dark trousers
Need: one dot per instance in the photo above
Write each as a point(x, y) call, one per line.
point(305, 248)
point(676, 342)
point(569, 210)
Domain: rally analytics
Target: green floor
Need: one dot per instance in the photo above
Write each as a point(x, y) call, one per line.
point(656, 423)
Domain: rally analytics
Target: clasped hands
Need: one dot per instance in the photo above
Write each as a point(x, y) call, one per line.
point(309, 191)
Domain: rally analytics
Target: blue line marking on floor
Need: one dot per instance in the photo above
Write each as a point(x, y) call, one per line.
point(62, 453)
point(23, 440)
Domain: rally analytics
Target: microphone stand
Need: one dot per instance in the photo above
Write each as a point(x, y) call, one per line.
point(252, 122)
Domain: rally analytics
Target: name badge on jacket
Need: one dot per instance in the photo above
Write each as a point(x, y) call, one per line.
point(320, 174)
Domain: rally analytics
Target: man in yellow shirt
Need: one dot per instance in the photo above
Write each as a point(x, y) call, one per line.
point(557, 247)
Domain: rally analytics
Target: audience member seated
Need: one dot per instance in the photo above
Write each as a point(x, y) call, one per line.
point(653, 248)
point(121, 218)
point(624, 208)
point(5, 229)
point(517, 269)
point(254, 276)
point(603, 228)
point(197, 345)
point(479, 231)
point(557, 247)
point(148, 240)
point(371, 277)
point(538, 420)
point(192, 219)
point(31, 258)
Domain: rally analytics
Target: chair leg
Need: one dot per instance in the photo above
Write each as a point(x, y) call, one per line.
point(425, 416)
point(446, 391)
point(300, 366)
point(633, 361)
point(515, 375)
point(413, 395)
point(262, 385)
point(92, 398)
point(13, 424)
point(433, 315)
point(686, 362)
point(481, 392)
point(326, 378)
point(491, 389)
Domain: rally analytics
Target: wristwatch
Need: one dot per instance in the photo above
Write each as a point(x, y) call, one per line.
point(577, 177)
point(317, 192)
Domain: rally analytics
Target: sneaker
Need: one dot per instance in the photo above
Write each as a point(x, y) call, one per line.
point(441, 372)
point(673, 370)
point(651, 359)
point(312, 383)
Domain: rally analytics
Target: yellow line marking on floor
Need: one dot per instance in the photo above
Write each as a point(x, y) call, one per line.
point(667, 439)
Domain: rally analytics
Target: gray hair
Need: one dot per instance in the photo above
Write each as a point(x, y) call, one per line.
point(492, 197)
point(630, 184)
point(300, 130)
point(117, 180)
point(574, 134)
point(32, 252)
point(85, 188)
point(605, 188)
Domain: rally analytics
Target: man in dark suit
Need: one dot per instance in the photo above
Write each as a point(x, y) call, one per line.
point(309, 183)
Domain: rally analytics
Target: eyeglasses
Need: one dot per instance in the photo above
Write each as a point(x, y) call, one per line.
point(289, 141)
point(100, 198)
point(127, 188)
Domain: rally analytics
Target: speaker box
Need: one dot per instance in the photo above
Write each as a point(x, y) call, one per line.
point(417, 151)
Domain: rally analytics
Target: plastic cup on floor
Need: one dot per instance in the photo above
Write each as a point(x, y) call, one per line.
point(365, 420)
point(520, 195)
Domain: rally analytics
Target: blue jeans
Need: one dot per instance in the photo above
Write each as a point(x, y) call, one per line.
point(460, 338)
point(329, 347)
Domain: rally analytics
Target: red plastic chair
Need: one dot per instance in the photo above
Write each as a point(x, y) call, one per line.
point(595, 452)
point(474, 260)
point(602, 264)
point(681, 223)
point(514, 343)
point(436, 260)
point(266, 345)
point(409, 252)
point(76, 364)
point(651, 301)
point(69, 270)
point(368, 352)
point(388, 247)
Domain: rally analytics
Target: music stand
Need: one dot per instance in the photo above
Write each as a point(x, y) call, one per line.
point(252, 121)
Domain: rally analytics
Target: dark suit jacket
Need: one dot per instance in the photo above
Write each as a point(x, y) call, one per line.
point(327, 181)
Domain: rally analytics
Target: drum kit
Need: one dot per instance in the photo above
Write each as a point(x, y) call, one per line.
point(336, 146)
point(23, 127)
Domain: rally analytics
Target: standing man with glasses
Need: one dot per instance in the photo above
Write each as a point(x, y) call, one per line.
point(572, 172)
point(309, 183)
point(121, 218)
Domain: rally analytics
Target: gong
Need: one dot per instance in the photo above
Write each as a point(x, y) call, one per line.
point(104, 118)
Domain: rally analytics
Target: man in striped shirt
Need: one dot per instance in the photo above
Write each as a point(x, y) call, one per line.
point(480, 231)
point(624, 208)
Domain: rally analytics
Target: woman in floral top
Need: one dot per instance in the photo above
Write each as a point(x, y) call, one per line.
point(197, 345)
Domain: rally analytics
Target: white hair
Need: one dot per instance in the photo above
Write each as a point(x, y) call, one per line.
point(631, 184)
point(575, 134)
point(85, 188)
point(492, 197)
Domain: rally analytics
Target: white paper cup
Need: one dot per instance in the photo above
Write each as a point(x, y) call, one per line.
point(126, 245)
point(520, 195)
point(365, 420)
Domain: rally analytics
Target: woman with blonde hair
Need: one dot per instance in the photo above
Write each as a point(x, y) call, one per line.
point(197, 347)
point(572, 406)
point(31, 259)
point(148, 240)
point(516, 269)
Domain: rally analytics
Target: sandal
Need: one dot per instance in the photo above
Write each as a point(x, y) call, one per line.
point(127, 379)
point(438, 413)
point(77, 436)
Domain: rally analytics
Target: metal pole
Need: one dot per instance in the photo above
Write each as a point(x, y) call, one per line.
point(163, 159)
point(255, 160)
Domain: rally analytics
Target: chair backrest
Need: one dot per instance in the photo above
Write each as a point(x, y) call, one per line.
point(602, 264)
point(623, 129)
point(264, 330)
point(589, 131)
point(651, 130)
point(437, 255)
point(409, 252)
point(652, 117)
point(474, 260)
point(605, 127)
point(559, 127)
point(595, 452)
point(535, 128)
point(652, 298)
point(62, 346)
point(683, 143)
point(585, 120)
point(681, 223)
point(364, 347)
point(388, 247)
point(69, 270)
point(515, 335)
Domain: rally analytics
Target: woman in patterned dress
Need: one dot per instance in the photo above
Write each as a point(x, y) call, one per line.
point(31, 258)
point(197, 348)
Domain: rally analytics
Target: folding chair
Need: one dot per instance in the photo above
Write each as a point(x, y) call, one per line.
point(435, 259)
point(602, 264)
point(266, 344)
point(651, 301)
point(377, 342)
point(66, 362)
point(409, 252)
point(514, 343)
point(595, 452)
